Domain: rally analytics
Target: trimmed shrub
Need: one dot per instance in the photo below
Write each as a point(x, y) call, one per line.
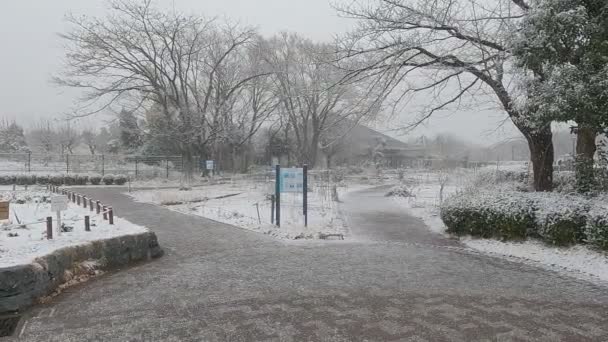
point(399, 191)
point(108, 179)
point(507, 215)
point(120, 180)
point(95, 179)
point(81, 179)
point(43, 180)
point(560, 219)
point(25, 179)
point(56, 180)
point(596, 230)
point(70, 179)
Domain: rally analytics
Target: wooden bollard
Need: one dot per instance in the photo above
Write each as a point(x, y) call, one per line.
point(87, 224)
point(98, 207)
point(49, 228)
point(78, 200)
point(91, 204)
point(84, 202)
point(73, 197)
point(105, 212)
point(111, 215)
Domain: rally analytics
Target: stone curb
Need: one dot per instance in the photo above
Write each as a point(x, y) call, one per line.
point(22, 286)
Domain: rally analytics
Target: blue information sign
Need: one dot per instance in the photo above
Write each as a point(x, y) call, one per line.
point(291, 179)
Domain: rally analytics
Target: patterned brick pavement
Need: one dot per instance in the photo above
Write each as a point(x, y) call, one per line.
point(391, 281)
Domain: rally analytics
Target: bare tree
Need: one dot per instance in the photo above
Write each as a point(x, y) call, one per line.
point(139, 57)
point(68, 138)
point(89, 138)
point(454, 52)
point(312, 98)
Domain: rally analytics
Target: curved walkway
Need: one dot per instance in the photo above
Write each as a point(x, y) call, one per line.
point(220, 283)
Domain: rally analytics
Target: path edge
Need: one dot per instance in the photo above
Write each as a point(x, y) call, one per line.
point(25, 285)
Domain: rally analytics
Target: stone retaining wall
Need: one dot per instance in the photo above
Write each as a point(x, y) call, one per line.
point(21, 286)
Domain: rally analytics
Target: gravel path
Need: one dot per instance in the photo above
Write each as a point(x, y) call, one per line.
point(393, 280)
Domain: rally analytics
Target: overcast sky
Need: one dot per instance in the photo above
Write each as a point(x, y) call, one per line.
point(31, 53)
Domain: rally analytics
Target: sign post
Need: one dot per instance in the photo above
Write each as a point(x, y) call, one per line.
point(293, 180)
point(59, 203)
point(305, 193)
point(277, 195)
point(210, 166)
point(4, 209)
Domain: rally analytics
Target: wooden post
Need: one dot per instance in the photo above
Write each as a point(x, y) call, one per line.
point(167, 163)
point(136, 169)
point(87, 225)
point(98, 207)
point(305, 193)
point(105, 212)
point(78, 200)
point(84, 202)
point(49, 228)
point(111, 215)
point(277, 195)
point(91, 204)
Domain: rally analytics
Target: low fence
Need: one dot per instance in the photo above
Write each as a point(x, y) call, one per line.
point(134, 166)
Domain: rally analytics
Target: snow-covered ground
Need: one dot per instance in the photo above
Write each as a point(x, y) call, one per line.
point(425, 186)
point(21, 243)
point(246, 204)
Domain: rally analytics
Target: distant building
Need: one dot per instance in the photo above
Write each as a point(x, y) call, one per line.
point(363, 145)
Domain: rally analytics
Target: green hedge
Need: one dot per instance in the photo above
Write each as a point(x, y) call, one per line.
point(502, 217)
point(556, 219)
point(60, 179)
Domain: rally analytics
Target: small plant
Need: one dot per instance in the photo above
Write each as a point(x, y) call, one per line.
point(56, 180)
point(95, 179)
point(399, 191)
point(108, 179)
point(120, 180)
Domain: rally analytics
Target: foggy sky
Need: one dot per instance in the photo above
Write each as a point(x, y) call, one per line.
point(31, 53)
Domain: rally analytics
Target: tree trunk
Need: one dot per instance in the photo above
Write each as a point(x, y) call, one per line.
point(585, 150)
point(541, 153)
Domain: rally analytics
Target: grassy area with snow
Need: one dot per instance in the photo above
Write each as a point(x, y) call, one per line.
point(247, 204)
point(23, 236)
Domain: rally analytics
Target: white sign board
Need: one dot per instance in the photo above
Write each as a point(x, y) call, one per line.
point(210, 164)
point(292, 179)
point(59, 203)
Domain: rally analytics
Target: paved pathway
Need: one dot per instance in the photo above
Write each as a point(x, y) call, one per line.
point(396, 282)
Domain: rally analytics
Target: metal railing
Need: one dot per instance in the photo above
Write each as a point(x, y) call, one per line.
point(137, 166)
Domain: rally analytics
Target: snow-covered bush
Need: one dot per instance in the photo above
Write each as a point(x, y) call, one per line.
point(564, 182)
point(108, 179)
point(506, 215)
point(95, 179)
point(120, 180)
point(560, 219)
point(43, 179)
point(596, 230)
point(25, 179)
point(81, 179)
point(69, 179)
point(400, 191)
point(56, 180)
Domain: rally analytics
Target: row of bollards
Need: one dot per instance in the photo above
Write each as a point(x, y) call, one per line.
point(78, 199)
